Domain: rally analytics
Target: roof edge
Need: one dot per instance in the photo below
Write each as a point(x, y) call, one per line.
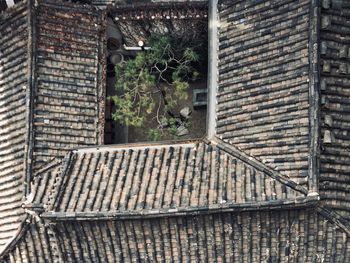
point(159, 4)
point(47, 166)
point(335, 218)
point(138, 145)
point(229, 148)
point(19, 234)
point(301, 202)
point(314, 95)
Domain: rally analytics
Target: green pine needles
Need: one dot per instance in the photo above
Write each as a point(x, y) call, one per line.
point(150, 84)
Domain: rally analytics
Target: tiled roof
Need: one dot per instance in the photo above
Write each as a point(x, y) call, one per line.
point(51, 85)
point(163, 178)
point(251, 196)
point(68, 65)
point(43, 181)
point(160, 17)
point(226, 237)
point(5, 4)
point(262, 98)
point(266, 236)
point(184, 191)
point(13, 90)
point(335, 83)
point(36, 243)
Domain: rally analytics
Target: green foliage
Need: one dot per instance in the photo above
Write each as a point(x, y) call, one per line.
point(150, 84)
point(154, 134)
point(181, 89)
point(172, 126)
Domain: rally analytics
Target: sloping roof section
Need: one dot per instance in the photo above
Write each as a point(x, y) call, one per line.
point(335, 111)
point(35, 240)
point(51, 93)
point(263, 93)
point(162, 179)
point(13, 89)
point(69, 79)
point(5, 4)
point(37, 243)
point(290, 236)
point(42, 182)
point(265, 236)
point(155, 196)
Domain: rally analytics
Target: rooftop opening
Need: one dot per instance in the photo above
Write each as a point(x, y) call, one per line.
point(157, 63)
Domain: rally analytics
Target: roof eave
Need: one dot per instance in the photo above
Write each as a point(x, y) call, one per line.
point(297, 203)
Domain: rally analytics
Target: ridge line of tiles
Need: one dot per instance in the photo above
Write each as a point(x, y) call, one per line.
point(297, 203)
point(144, 6)
point(56, 193)
point(60, 178)
point(29, 103)
point(21, 230)
point(231, 149)
point(66, 168)
point(136, 146)
point(333, 216)
point(47, 166)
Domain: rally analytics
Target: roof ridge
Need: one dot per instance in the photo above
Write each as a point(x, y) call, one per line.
point(160, 5)
point(25, 222)
point(31, 219)
point(335, 218)
point(298, 202)
point(225, 145)
point(138, 145)
point(47, 166)
point(21, 230)
point(297, 197)
point(60, 180)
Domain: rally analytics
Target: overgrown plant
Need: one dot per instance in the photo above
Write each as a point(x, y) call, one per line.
point(149, 85)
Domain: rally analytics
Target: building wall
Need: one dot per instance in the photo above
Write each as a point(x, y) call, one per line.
point(335, 106)
point(13, 87)
point(262, 97)
point(69, 79)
